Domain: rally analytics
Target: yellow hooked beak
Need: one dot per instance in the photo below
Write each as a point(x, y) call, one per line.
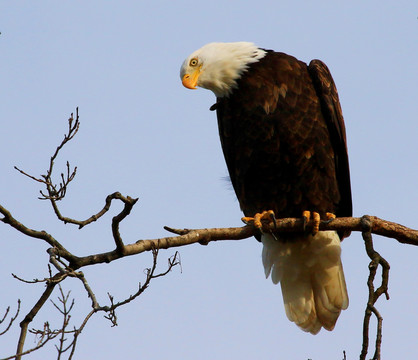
point(190, 80)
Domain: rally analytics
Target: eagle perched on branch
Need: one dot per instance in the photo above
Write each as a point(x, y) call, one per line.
point(283, 138)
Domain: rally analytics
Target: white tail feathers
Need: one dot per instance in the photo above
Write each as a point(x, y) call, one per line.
point(311, 275)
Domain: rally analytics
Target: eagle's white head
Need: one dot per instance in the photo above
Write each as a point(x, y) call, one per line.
point(218, 66)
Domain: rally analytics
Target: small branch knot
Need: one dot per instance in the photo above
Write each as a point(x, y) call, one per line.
point(366, 224)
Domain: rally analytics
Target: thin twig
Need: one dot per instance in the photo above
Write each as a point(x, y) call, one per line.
point(12, 319)
point(40, 344)
point(150, 274)
point(57, 192)
point(34, 281)
point(80, 275)
point(65, 311)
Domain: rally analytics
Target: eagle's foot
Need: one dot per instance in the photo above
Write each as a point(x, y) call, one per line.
point(316, 218)
point(307, 216)
point(330, 217)
point(261, 220)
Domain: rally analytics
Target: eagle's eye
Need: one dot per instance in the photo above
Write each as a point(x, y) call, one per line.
point(193, 62)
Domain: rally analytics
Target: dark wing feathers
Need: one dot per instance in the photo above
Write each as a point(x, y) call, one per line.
point(276, 137)
point(331, 108)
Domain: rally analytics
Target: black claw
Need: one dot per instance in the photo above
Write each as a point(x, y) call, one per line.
point(274, 221)
point(304, 223)
point(274, 236)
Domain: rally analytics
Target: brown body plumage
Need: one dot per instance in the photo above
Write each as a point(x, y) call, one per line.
point(275, 130)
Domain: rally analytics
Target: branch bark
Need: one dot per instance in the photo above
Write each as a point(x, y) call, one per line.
point(32, 313)
point(379, 226)
point(67, 263)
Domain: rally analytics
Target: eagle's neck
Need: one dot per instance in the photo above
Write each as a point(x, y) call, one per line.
point(224, 64)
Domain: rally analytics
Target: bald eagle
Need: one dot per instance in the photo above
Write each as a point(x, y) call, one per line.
point(283, 138)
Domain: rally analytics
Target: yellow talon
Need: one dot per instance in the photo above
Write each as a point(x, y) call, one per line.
point(259, 219)
point(306, 216)
point(316, 218)
point(330, 216)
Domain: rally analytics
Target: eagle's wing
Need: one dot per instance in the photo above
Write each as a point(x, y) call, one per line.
point(331, 108)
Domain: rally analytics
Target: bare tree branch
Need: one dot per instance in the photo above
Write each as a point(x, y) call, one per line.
point(46, 334)
point(204, 236)
point(65, 311)
point(55, 192)
point(129, 204)
point(58, 192)
point(49, 335)
point(67, 264)
point(29, 317)
point(376, 261)
point(150, 274)
point(12, 319)
point(43, 235)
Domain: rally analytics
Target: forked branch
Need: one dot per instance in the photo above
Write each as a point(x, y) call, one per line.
point(376, 261)
point(12, 319)
point(67, 263)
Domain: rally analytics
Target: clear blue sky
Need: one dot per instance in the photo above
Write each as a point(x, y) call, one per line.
point(146, 136)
